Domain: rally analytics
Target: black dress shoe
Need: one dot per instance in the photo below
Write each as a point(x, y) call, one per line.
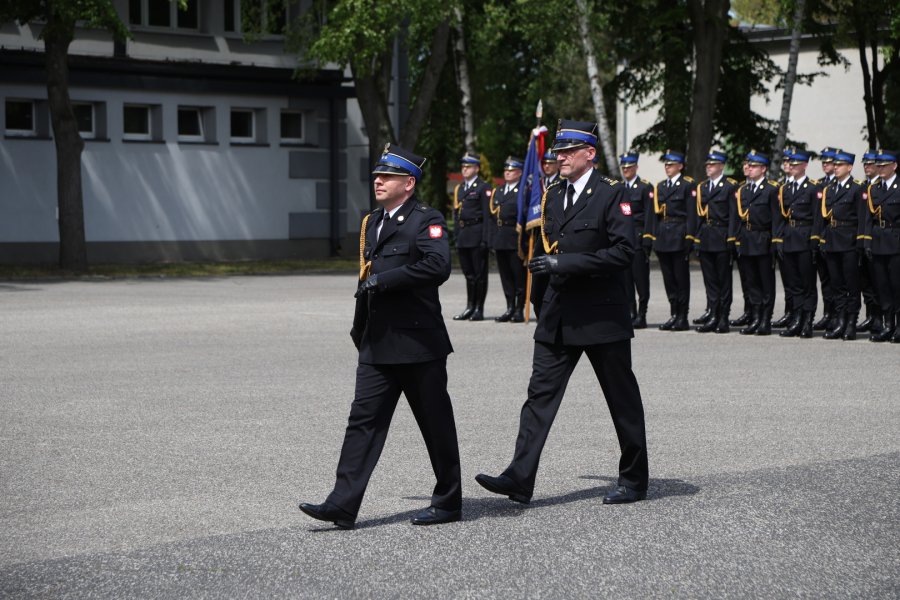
point(329, 512)
point(435, 516)
point(623, 495)
point(504, 486)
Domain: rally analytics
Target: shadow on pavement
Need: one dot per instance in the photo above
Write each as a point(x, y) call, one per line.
point(658, 488)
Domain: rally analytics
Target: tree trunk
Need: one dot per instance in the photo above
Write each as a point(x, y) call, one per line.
point(409, 135)
point(373, 105)
point(593, 72)
point(862, 42)
point(72, 244)
point(790, 78)
point(465, 86)
point(709, 21)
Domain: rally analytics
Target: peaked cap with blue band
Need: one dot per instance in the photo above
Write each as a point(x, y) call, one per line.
point(716, 157)
point(549, 156)
point(574, 134)
point(629, 158)
point(757, 158)
point(471, 158)
point(870, 156)
point(799, 157)
point(886, 157)
point(512, 162)
point(844, 156)
point(672, 156)
point(399, 161)
point(827, 154)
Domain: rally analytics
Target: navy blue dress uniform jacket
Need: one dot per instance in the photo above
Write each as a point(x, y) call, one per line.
point(754, 218)
point(797, 211)
point(882, 223)
point(586, 302)
point(708, 224)
point(639, 195)
point(473, 215)
point(401, 322)
point(840, 221)
point(506, 206)
point(667, 223)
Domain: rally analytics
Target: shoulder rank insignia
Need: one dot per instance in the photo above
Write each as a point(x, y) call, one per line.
point(689, 179)
point(732, 181)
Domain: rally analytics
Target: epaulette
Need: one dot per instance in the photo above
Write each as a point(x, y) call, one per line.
point(773, 182)
point(732, 181)
point(813, 181)
point(555, 183)
point(858, 182)
point(422, 207)
point(645, 182)
point(688, 178)
point(609, 180)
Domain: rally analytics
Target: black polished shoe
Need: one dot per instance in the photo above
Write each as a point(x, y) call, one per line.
point(640, 321)
point(435, 516)
point(329, 512)
point(704, 318)
point(784, 320)
point(504, 486)
point(465, 314)
point(623, 495)
point(667, 326)
point(742, 320)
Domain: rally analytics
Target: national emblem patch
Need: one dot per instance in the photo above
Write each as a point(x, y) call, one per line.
point(435, 231)
point(625, 207)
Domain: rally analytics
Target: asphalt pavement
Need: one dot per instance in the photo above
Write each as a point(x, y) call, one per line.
point(157, 435)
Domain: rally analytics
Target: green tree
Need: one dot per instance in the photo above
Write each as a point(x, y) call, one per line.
point(59, 19)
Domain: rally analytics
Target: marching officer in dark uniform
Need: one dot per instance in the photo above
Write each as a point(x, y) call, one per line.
point(786, 178)
point(472, 207)
point(639, 196)
point(882, 242)
point(402, 342)
point(506, 241)
point(708, 227)
point(751, 226)
point(826, 157)
point(747, 315)
point(589, 242)
point(839, 229)
point(798, 203)
point(673, 199)
point(866, 276)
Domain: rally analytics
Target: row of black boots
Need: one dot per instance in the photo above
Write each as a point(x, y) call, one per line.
point(476, 292)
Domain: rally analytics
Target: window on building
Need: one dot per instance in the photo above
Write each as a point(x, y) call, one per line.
point(136, 122)
point(243, 125)
point(164, 13)
point(291, 126)
point(20, 118)
point(84, 116)
point(258, 16)
point(231, 16)
point(190, 124)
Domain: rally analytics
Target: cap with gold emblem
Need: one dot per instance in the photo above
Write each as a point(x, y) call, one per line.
point(399, 161)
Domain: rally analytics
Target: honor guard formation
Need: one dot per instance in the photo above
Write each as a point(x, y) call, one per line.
point(836, 237)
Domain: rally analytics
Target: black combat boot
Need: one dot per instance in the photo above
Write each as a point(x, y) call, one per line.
point(806, 330)
point(745, 318)
point(755, 320)
point(480, 293)
point(840, 324)
point(886, 331)
point(667, 326)
point(681, 319)
point(640, 320)
point(705, 317)
point(765, 324)
point(794, 328)
point(518, 315)
point(825, 323)
point(872, 318)
point(510, 307)
point(712, 322)
point(895, 339)
point(723, 325)
point(850, 329)
point(786, 319)
point(470, 302)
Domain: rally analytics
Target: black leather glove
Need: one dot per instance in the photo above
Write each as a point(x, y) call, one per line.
point(647, 251)
point(369, 285)
point(868, 253)
point(814, 252)
point(779, 251)
point(545, 263)
point(483, 245)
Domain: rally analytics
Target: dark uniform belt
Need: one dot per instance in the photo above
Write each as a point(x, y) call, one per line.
point(717, 223)
point(799, 222)
point(673, 219)
point(463, 223)
point(507, 222)
point(835, 223)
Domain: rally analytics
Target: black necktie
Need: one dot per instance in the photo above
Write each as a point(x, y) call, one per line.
point(710, 186)
point(570, 197)
point(384, 221)
point(668, 183)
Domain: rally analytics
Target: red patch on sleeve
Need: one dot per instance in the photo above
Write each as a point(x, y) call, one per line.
point(435, 231)
point(818, 194)
point(694, 193)
point(625, 207)
point(651, 193)
point(865, 195)
point(488, 192)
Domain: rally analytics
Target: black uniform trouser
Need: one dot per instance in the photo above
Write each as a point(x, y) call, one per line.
point(512, 273)
point(825, 281)
point(760, 281)
point(745, 290)
point(788, 294)
point(800, 280)
point(843, 268)
point(378, 388)
point(867, 283)
point(676, 274)
point(639, 279)
point(551, 368)
point(716, 269)
point(474, 263)
point(886, 280)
